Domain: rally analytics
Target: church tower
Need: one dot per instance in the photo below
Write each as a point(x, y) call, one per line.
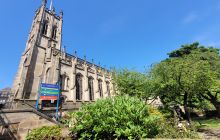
point(37, 63)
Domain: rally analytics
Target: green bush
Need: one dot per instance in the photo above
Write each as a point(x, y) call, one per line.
point(45, 133)
point(121, 117)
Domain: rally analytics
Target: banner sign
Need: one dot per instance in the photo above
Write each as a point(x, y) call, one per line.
point(49, 92)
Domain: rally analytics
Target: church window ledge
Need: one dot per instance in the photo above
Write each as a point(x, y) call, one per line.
point(43, 35)
point(54, 40)
point(79, 101)
point(49, 38)
point(48, 60)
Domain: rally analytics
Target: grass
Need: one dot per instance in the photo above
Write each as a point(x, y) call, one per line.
point(208, 123)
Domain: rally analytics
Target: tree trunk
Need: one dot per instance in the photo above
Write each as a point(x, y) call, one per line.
point(213, 100)
point(217, 107)
point(187, 112)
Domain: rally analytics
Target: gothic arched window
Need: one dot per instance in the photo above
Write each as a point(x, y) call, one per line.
point(100, 88)
point(62, 82)
point(54, 32)
point(78, 87)
point(108, 88)
point(45, 27)
point(67, 83)
point(64, 79)
point(47, 75)
point(91, 89)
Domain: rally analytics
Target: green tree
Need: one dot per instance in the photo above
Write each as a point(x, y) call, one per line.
point(174, 76)
point(189, 74)
point(133, 83)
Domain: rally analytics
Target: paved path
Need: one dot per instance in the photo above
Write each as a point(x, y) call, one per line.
point(210, 133)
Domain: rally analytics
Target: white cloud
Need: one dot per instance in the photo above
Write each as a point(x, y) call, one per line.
point(191, 17)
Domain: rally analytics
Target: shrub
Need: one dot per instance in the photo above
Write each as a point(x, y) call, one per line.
point(121, 117)
point(45, 133)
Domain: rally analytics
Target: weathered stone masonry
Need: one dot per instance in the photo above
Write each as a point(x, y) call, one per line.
point(45, 61)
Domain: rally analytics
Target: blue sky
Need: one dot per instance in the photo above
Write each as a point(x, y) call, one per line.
point(117, 33)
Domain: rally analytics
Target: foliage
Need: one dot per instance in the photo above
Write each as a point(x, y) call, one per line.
point(166, 111)
point(190, 75)
point(191, 48)
point(123, 117)
point(45, 133)
point(133, 83)
point(115, 118)
point(171, 131)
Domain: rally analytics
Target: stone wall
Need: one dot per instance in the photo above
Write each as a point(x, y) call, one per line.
point(21, 123)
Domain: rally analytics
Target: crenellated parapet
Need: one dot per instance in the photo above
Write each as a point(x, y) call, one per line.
point(66, 59)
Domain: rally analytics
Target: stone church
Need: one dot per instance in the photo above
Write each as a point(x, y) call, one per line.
point(44, 61)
